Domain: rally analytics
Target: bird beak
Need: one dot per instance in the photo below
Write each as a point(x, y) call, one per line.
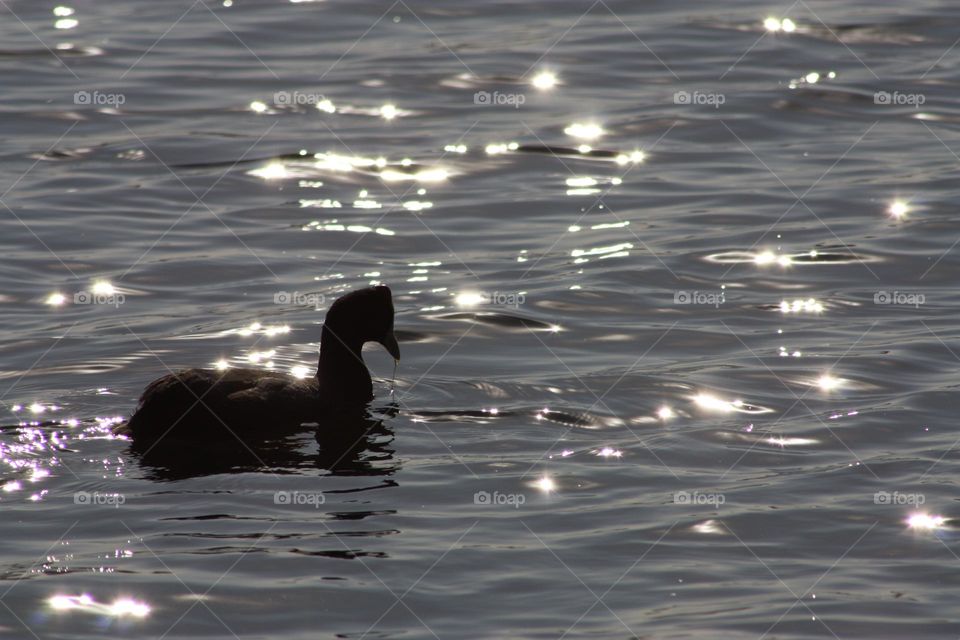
point(390, 344)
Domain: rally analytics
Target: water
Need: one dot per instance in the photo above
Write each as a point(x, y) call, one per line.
point(698, 380)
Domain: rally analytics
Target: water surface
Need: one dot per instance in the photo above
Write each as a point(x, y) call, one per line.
point(675, 288)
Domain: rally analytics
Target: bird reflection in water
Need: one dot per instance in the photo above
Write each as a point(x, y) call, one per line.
point(345, 445)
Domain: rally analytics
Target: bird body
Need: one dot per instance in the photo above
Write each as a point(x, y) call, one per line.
point(214, 403)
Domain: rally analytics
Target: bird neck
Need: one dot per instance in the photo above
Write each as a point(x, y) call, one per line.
point(341, 373)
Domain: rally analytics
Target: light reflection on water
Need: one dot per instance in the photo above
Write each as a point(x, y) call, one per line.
point(86, 604)
point(536, 252)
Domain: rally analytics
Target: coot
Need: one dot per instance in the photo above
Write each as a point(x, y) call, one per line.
point(211, 403)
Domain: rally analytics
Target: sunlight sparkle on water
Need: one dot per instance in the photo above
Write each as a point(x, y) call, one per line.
point(257, 356)
point(62, 603)
point(898, 209)
point(424, 175)
point(545, 484)
point(417, 205)
point(635, 157)
point(544, 80)
point(809, 305)
point(300, 372)
point(56, 299)
point(258, 327)
point(103, 288)
point(469, 299)
point(501, 147)
point(610, 251)
point(711, 402)
point(251, 329)
point(776, 24)
point(39, 474)
point(276, 329)
point(584, 130)
point(665, 413)
point(273, 171)
point(388, 111)
point(828, 382)
point(925, 521)
point(769, 257)
point(709, 526)
point(432, 175)
point(121, 607)
point(609, 452)
point(128, 607)
point(610, 225)
point(784, 442)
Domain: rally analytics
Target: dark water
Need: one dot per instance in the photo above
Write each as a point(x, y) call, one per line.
point(699, 377)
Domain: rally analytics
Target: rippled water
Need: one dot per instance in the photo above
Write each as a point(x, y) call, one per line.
point(675, 287)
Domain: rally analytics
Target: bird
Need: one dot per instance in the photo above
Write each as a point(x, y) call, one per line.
point(208, 403)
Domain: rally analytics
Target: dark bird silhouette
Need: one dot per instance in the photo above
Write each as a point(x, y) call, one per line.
point(206, 403)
